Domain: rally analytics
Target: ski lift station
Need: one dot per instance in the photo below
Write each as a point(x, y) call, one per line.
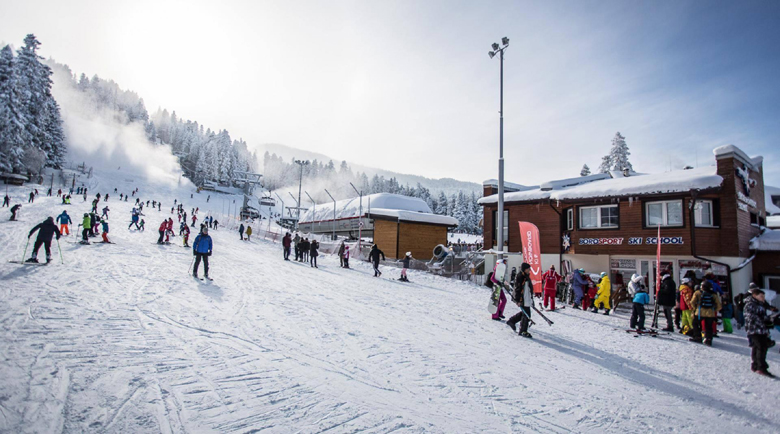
point(398, 224)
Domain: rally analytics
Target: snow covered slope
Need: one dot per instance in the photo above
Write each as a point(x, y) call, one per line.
point(121, 339)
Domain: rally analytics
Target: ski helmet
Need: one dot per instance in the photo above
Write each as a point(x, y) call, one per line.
point(603, 273)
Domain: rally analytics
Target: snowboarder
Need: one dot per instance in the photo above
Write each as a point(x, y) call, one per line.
point(86, 224)
point(522, 297)
point(499, 271)
point(240, 231)
point(641, 298)
point(104, 223)
point(341, 254)
point(248, 233)
point(313, 253)
point(579, 285)
point(64, 220)
point(603, 295)
point(6, 201)
point(705, 304)
point(286, 242)
point(46, 230)
point(201, 249)
point(666, 296)
point(14, 210)
point(405, 262)
point(186, 235)
point(757, 331)
point(373, 255)
point(550, 280)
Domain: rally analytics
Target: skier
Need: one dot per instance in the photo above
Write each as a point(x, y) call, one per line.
point(168, 230)
point(286, 242)
point(405, 261)
point(143, 222)
point(241, 231)
point(706, 304)
point(215, 223)
point(121, 196)
point(579, 285)
point(686, 293)
point(6, 201)
point(159, 206)
point(64, 220)
point(32, 197)
point(46, 230)
point(14, 210)
point(636, 284)
point(757, 331)
point(106, 199)
point(248, 233)
point(666, 296)
point(161, 230)
point(373, 255)
point(208, 198)
point(313, 253)
point(341, 254)
point(134, 219)
point(499, 271)
point(86, 224)
point(201, 249)
point(105, 211)
point(104, 223)
point(48, 193)
point(186, 235)
point(59, 192)
point(603, 295)
point(550, 280)
point(346, 256)
point(522, 297)
point(194, 219)
point(641, 298)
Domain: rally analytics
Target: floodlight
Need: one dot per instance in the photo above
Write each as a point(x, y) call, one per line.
point(505, 40)
point(495, 46)
point(491, 54)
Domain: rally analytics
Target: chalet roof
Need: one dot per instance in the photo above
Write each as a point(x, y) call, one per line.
point(769, 241)
point(417, 217)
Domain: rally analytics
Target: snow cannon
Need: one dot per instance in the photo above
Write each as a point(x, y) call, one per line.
point(440, 252)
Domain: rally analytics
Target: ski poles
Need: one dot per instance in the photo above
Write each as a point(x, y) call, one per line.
point(24, 255)
point(58, 248)
point(193, 261)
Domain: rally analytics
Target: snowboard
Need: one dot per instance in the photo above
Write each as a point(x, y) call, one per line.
point(495, 298)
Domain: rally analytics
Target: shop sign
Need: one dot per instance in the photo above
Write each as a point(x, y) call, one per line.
point(623, 264)
point(601, 241)
point(743, 174)
point(745, 202)
point(664, 240)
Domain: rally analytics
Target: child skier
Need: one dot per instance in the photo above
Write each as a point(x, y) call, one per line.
point(406, 261)
point(104, 223)
point(64, 220)
point(603, 294)
point(705, 304)
point(186, 234)
point(686, 293)
point(638, 309)
point(141, 226)
point(14, 210)
point(727, 313)
point(86, 224)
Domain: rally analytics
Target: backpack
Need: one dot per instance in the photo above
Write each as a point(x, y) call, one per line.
point(707, 300)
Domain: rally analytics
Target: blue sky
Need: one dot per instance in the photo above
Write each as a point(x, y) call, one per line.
point(408, 86)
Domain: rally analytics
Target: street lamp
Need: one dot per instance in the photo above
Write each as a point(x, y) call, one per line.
point(300, 183)
point(282, 201)
point(314, 211)
point(360, 217)
point(333, 235)
point(500, 232)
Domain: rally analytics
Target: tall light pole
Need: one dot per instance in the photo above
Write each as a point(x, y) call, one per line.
point(300, 183)
point(500, 232)
point(282, 201)
point(360, 217)
point(333, 235)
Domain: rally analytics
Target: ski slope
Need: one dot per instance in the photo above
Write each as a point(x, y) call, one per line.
point(120, 338)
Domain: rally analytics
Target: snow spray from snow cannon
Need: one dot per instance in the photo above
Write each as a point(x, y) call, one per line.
point(529, 234)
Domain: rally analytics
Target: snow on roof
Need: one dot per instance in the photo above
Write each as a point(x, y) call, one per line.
point(659, 183)
point(349, 208)
point(768, 241)
point(569, 182)
point(726, 151)
point(770, 206)
point(413, 216)
point(773, 222)
point(508, 185)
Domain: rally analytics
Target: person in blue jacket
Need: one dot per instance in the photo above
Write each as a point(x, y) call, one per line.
point(64, 220)
point(201, 249)
point(579, 285)
point(638, 309)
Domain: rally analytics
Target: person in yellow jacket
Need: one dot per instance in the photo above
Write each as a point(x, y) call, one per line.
point(248, 232)
point(686, 294)
point(603, 295)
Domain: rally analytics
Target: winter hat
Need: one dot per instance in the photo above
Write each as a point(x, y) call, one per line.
point(757, 291)
point(552, 267)
point(752, 286)
point(581, 270)
point(408, 253)
point(636, 278)
point(525, 266)
point(686, 280)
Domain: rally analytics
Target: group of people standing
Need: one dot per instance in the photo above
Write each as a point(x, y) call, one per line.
point(305, 250)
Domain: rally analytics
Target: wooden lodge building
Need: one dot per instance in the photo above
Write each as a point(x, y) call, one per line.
point(397, 224)
point(609, 222)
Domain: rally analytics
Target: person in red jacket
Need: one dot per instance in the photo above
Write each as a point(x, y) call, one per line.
point(163, 228)
point(550, 280)
point(168, 230)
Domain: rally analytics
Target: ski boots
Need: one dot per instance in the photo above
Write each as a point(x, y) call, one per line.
point(33, 260)
point(526, 335)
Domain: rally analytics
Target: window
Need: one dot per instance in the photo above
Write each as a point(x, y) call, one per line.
point(506, 227)
point(595, 217)
point(754, 219)
point(666, 213)
point(570, 219)
point(703, 213)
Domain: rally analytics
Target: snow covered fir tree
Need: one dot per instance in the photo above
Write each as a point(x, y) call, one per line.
point(31, 134)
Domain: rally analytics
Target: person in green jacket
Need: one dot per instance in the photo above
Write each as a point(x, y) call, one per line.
point(86, 224)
